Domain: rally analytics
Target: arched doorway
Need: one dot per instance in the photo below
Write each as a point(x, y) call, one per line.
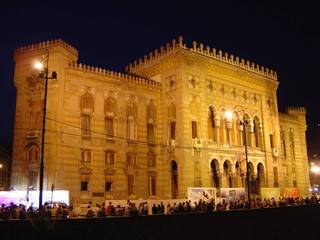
point(226, 174)
point(253, 184)
point(214, 171)
point(238, 181)
point(174, 179)
point(260, 177)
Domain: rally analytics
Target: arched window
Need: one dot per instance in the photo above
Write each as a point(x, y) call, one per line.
point(223, 127)
point(131, 121)
point(110, 112)
point(87, 108)
point(257, 132)
point(33, 154)
point(151, 120)
point(87, 103)
point(211, 126)
point(172, 121)
point(283, 142)
point(238, 176)
point(226, 173)
point(197, 174)
point(246, 129)
point(291, 136)
point(260, 176)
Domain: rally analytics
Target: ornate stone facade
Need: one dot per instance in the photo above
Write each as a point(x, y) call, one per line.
point(156, 130)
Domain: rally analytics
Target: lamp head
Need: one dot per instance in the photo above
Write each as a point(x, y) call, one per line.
point(38, 65)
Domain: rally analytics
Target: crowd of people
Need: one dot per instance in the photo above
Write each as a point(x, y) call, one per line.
point(131, 209)
point(48, 211)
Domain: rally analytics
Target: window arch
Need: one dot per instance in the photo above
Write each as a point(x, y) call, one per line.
point(33, 154)
point(87, 103)
point(110, 107)
point(257, 132)
point(283, 142)
point(215, 172)
point(212, 134)
point(110, 112)
point(87, 108)
point(238, 175)
point(246, 130)
point(151, 119)
point(227, 173)
point(172, 115)
point(131, 121)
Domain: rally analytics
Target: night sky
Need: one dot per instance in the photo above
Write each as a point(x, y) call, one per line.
point(281, 36)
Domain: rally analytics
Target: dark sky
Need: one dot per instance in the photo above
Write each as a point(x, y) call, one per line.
point(281, 36)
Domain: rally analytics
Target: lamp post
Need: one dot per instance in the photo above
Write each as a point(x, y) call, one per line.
point(43, 74)
point(244, 123)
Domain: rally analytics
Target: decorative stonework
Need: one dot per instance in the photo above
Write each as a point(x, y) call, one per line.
point(213, 54)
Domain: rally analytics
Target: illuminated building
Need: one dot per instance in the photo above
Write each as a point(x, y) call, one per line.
point(154, 131)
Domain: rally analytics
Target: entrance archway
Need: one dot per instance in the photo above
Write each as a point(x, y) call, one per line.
point(215, 171)
point(226, 174)
point(260, 177)
point(174, 179)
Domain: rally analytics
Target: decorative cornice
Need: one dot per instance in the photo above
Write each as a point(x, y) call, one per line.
point(176, 46)
point(115, 75)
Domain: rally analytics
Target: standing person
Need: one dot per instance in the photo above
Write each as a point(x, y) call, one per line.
point(90, 213)
point(154, 209)
point(59, 211)
point(118, 211)
point(109, 207)
point(65, 212)
point(128, 208)
point(161, 210)
point(146, 208)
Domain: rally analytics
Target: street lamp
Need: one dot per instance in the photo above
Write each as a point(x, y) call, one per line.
point(43, 74)
point(243, 123)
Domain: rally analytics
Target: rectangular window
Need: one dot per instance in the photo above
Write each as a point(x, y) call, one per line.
point(173, 130)
point(84, 181)
point(109, 182)
point(130, 184)
point(295, 183)
point(150, 134)
point(109, 158)
point(131, 159)
point(85, 125)
point(131, 128)
point(152, 161)
point(194, 129)
point(109, 127)
point(85, 158)
point(32, 179)
point(152, 185)
point(271, 141)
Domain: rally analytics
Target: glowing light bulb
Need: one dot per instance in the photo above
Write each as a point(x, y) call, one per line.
point(38, 65)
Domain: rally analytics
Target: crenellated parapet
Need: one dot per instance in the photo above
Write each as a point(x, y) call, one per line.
point(207, 51)
point(46, 44)
point(115, 75)
point(296, 109)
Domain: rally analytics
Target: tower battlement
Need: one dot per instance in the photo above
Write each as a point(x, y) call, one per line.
point(207, 51)
point(296, 109)
point(46, 44)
